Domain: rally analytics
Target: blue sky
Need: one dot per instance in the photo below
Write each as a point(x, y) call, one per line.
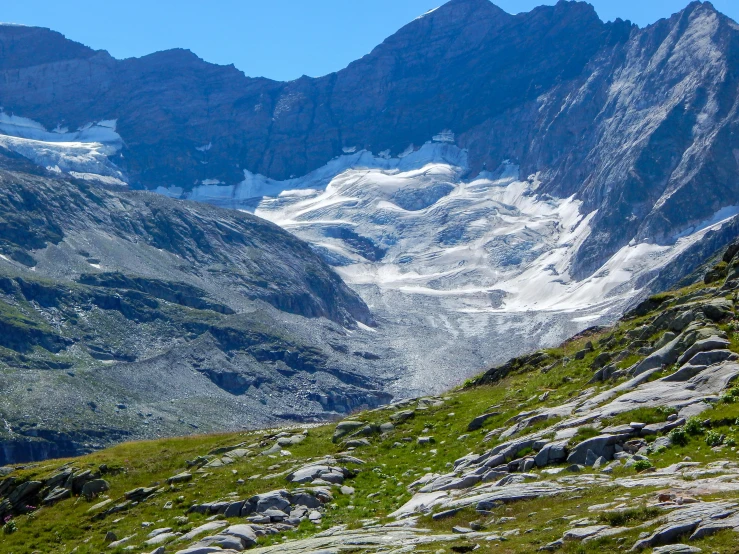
point(280, 39)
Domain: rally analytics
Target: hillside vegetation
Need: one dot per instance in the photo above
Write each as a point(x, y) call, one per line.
point(622, 438)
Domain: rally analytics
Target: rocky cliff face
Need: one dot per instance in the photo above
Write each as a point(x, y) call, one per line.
point(128, 314)
point(638, 123)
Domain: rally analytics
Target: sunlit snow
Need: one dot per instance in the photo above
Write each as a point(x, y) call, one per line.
point(418, 224)
point(83, 153)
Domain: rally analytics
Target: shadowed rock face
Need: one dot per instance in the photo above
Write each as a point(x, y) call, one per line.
point(131, 315)
point(252, 258)
point(638, 123)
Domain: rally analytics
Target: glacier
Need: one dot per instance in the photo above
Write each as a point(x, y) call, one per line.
point(462, 271)
point(83, 154)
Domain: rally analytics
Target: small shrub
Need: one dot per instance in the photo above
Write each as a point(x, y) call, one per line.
point(10, 527)
point(730, 396)
point(644, 415)
point(641, 465)
point(714, 438)
point(586, 432)
point(694, 426)
point(730, 441)
point(678, 436)
point(524, 451)
point(619, 518)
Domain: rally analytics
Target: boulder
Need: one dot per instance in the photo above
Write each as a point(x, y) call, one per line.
point(479, 421)
point(404, 415)
point(730, 251)
point(551, 453)
point(308, 473)
point(591, 458)
point(307, 500)
point(58, 479)
point(244, 532)
point(120, 542)
point(666, 355)
point(713, 342)
point(224, 541)
point(356, 443)
point(667, 534)
point(346, 427)
point(663, 427)
point(709, 529)
point(582, 533)
point(685, 373)
point(95, 487)
point(56, 494)
point(290, 441)
point(199, 549)
point(682, 320)
point(139, 494)
point(276, 515)
point(273, 500)
point(24, 492)
point(718, 309)
point(180, 478)
point(601, 360)
point(602, 445)
point(160, 531)
point(205, 528)
point(233, 509)
point(676, 549)
point(600, 462)
point(77, 480)
point(160, 538)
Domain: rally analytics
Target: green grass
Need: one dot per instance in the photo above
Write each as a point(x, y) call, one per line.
point(586, 432)
point(392, 463)
point(620, 518)
point(641, 415)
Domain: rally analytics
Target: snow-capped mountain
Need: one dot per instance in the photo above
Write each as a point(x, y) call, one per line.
point(488, 182)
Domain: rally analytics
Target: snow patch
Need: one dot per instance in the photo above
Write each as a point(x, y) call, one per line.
point(432, 10)
point(720, 216)
point(84, 151)
point(445, 136)
point(94, 177)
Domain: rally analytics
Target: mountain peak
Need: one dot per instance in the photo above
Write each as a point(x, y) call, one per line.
point(463, 8)
point(22, 46)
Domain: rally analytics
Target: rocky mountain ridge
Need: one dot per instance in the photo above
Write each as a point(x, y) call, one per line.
point(555, 90)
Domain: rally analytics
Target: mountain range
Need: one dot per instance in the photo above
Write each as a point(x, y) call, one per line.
point(478, 185)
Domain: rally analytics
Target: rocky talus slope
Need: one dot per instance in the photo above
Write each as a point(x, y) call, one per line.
point(129, 315)
point(623, 438)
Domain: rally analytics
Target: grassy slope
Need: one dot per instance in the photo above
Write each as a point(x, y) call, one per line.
point(389, 468)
